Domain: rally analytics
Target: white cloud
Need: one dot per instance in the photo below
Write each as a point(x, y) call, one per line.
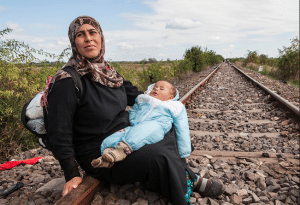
point(38, 40)
point(57, 44)
point(229, 48)
point(14, 26)
point(281, 6)
point(48, 45)
point(182, 24)
point(44, 26)
point(64, 41)
point(215, 38)
point(125, 46)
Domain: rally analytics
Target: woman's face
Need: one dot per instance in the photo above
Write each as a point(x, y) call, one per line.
point(88, 41)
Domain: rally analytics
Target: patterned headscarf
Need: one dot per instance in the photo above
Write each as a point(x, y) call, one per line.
point(98, 69)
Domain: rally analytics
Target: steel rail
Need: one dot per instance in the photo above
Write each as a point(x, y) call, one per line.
point(83, 194)
point(292, 108)
point(188, 95)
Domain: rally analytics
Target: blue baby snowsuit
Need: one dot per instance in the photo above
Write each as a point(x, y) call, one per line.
point(151, 119)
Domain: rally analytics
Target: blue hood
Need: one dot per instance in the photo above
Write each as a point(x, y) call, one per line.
point(150, 88)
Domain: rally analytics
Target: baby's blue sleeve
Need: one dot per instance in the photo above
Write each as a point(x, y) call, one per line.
point(183, 133)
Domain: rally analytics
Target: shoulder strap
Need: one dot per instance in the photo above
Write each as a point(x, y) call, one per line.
point(77, 82)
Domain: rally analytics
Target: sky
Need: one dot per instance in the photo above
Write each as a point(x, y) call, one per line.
point(162, 29)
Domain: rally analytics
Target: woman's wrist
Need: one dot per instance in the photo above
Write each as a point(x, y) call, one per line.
point(70, 168)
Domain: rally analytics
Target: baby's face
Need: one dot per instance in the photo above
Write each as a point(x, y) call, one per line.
point(162, 91)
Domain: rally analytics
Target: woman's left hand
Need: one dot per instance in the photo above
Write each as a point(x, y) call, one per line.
point(72, 184)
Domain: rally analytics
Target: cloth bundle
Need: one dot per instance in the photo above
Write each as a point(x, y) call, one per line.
point(34, 112)
point(11, 164)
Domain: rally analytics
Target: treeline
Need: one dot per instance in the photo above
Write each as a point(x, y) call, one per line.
point(285, 67)
point(23, 75)
point(195, 59)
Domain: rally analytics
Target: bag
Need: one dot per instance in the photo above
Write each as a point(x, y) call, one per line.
point(33, 114)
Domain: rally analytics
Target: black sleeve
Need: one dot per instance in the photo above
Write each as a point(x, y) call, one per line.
point(61, 108)
point(131, 91)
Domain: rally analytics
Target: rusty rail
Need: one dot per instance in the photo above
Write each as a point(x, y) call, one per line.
point(289, 106)
point(188, 96)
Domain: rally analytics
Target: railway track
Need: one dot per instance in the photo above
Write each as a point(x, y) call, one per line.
point(241, 136)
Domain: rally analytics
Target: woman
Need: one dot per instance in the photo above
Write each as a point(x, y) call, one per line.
point(76, 131)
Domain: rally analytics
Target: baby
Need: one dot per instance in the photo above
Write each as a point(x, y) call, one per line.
point(151, 118)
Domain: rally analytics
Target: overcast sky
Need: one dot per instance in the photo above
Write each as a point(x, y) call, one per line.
point(161, 29)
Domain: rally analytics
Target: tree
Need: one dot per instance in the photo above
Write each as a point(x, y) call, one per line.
point(195, 56)
point(263, 59)
point(288, 61)
point(252, 57)
point(152, 60)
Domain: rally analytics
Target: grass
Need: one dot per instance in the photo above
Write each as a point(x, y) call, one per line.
point(270, 72)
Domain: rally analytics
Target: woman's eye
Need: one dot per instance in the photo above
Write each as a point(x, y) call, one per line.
point(79, 34)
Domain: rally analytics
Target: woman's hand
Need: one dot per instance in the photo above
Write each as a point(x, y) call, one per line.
point(72, 184)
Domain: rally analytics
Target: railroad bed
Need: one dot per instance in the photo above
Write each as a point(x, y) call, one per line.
point(241, 137)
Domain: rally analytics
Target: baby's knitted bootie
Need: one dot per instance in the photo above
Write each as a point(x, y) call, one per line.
point(100, 163)
point(118, 154)
point(209, 188)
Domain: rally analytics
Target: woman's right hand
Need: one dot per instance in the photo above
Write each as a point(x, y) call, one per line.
point(72, 184)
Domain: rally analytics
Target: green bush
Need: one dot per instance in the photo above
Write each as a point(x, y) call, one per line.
point(252, 57)
point(184, 66)
point(251, 67)
point(17, 86)
point(199, 59)
point(264, 71)
point(158, 71)
point(234, 60)
point(288, 61)
point(196, 57)
point(263, 59)
point(20, 80)
point(128, 74)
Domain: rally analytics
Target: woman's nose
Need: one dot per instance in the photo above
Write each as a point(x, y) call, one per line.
point(88, 38)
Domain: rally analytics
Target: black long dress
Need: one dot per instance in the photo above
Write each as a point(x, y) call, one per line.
point(76, 131)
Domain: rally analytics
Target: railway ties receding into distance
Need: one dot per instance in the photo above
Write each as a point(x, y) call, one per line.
point(241, 137)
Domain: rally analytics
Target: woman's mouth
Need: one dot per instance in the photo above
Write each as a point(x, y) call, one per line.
point(89, 47)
